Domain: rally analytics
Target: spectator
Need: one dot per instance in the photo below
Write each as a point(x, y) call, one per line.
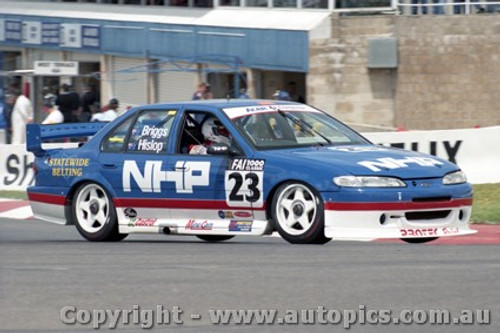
point(458, 9)
point(203, 92)
point(439, 9)
point(54, 115)
point(22, 114)
point(68, 102)
point(110, 114)
point(89, 101)
point(7, 112)
point(414, 9)
point(243, 94)
point(294, 95)
point(282, 95)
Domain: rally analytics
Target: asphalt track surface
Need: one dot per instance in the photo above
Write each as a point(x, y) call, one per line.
point(45, 267)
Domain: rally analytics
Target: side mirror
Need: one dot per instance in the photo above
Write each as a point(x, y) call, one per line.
point(222, 149)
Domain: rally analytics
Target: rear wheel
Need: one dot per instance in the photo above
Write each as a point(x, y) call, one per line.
point(298, 214)
point(419, 240)
point(214, 238)
point(95, 215)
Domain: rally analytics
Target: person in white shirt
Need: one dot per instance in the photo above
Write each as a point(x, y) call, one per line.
point(22, 114)
point(110, 114)
point(54, 115)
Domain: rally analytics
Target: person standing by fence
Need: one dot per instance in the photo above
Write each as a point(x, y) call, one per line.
point(22, 114)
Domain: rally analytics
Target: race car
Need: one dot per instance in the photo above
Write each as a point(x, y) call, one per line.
point(221, 168)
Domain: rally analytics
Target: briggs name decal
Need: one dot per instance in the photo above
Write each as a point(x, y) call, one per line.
point(186, 176)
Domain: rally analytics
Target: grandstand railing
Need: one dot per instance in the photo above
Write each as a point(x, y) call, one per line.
point(344, 7)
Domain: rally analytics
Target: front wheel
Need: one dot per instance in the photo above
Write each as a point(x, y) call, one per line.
point(298, 214)
point(419, 240)
point(95, 215)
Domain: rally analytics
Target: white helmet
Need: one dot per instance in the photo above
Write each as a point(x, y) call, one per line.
point(214, 131)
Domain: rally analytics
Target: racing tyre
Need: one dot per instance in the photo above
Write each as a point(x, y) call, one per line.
point(298, 214)
point(214, 238)
point(419, 240)
point(95, 215)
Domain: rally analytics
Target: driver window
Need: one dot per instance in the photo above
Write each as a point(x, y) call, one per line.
point(151, 130)
point(200, 130)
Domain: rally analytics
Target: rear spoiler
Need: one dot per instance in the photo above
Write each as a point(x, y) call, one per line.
point(36, 134)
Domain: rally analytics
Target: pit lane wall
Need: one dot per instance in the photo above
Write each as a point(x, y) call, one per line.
point(476, 151)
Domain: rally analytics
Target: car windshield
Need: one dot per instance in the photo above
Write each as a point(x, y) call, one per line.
point(288, 126)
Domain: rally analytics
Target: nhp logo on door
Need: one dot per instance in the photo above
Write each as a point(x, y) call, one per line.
point(186, 175)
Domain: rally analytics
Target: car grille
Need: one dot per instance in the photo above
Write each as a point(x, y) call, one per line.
point(427, 215)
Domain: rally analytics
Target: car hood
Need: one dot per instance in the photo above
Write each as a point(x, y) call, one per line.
point(366, 160)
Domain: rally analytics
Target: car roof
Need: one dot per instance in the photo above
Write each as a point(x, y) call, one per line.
point(224, 103)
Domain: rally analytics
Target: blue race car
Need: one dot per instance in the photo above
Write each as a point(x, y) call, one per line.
point(216, 169)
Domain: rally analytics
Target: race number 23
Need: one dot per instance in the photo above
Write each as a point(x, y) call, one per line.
point(244, 188)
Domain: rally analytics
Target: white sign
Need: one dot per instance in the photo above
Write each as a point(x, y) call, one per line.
point(56, 68)
point(32, 32)
point(475, 150)
point(71, 35)
point(16, 168)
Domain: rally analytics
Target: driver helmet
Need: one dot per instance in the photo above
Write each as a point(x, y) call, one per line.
point(215, 132)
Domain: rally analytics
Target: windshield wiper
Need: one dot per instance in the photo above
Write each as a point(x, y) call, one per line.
point(305, 126)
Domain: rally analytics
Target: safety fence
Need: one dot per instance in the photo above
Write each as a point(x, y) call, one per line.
point(344, 7)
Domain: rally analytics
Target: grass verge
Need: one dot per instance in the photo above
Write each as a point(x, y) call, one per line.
point(486, 207)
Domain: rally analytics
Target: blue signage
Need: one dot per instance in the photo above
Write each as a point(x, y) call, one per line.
point(91, 36)
point(50, 33)
point(13, 31)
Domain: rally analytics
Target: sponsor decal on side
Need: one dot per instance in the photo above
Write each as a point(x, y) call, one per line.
point(187, 175)
point(130, 212)
point(243, 182)
point(142, 222)
point(243, 164)
point(225, 214)
point(451, 231)
point(197, 225)
point(248, 110)
point(419, 232)
point(242, 214)
point(242, 226)
point(145, 222)
point(67, 167)
point(430, 232)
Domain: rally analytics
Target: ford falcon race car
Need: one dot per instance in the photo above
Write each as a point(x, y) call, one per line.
point(216, 169)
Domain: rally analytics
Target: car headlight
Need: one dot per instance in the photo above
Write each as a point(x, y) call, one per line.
point(457, 177)
point(367, 181)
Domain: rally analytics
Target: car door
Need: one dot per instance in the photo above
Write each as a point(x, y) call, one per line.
point(134, 161)
point(199, 191)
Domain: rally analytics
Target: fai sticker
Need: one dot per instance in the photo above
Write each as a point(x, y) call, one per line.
point(243, 182)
